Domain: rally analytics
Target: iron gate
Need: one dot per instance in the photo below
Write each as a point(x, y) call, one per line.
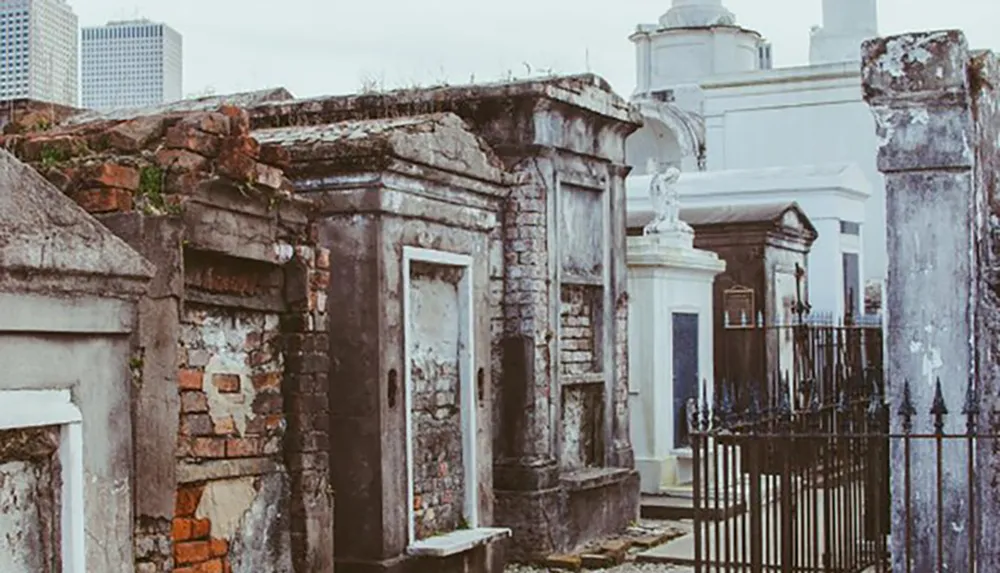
point(801, 489)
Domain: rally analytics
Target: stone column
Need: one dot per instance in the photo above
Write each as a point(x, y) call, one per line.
point(934, 116)
point(666, 275)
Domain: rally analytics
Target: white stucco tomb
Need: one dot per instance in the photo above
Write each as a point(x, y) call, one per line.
point(712, 102)
point(670, 336)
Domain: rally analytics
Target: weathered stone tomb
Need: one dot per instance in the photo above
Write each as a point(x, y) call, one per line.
point(68, 291)
point(563, 464)
point(409, 209)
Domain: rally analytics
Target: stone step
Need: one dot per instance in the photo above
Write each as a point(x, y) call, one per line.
point(678, 508)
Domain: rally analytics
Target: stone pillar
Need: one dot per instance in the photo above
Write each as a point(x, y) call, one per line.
point(934, 116)
point(667, 275)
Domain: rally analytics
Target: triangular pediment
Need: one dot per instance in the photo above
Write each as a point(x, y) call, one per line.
point(44, 232)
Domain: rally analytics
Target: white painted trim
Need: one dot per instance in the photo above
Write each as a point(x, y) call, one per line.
point(467, 375)
point(36, 408)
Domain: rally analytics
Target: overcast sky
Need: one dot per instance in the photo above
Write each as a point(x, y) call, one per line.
point(315, 47)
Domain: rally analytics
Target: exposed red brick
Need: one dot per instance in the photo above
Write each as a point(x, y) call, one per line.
point(111, 175)
point(186, 137)
point(193, 401)
point(190, 552)
point(196, 425)
point(181, 529)
point(134, 135)
point(188, 379)
point(185, 570)
point(275, 155)
point(106, 200)
point(208, 447)
point(188, 498)
point(180, 159)
point(58, 147)
point(244, 447)
point(239, 120)
point(208, 121)
point(226, 383)
point(267, 381)
point(274, 422)
point(236, 166)
point(219, 547)
point(268, 403)
point(213, 566)
point(200, 528)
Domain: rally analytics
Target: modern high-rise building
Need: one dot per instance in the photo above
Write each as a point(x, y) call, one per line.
point(130, 63)
point(38, 51)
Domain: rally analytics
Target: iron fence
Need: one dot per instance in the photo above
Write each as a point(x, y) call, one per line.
point(812, 354)
point(806, 486)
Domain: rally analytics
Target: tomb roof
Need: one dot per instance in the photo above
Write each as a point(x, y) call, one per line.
point(441, 140)
point(585, 91)
point(783, 214)
point(49, 242)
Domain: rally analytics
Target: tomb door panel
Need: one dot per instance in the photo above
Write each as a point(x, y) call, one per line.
point(685, 369)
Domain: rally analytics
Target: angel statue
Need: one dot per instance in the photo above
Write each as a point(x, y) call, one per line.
point(665, 198)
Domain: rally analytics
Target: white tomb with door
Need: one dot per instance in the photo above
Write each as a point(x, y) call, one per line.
point(670, 338)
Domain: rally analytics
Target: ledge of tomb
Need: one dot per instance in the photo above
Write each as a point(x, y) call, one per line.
point(456, 542)
point(593, 478)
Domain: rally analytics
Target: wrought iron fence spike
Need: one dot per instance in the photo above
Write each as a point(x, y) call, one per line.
point(971, 406)
point(938, 407)
point(906, 409)
point(784, 405)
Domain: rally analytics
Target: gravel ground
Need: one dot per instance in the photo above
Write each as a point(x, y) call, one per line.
point(644, 527)
point(623, 568)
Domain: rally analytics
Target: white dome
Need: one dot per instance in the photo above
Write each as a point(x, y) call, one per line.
point(697, 14)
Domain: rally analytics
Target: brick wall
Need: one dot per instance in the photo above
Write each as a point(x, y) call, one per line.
point(306, 349)
point(526, 308)
point(579, 350)
point(438, 471)
point(150, 164)
point(230, 384)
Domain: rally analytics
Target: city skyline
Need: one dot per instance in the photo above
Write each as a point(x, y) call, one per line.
point(315, 48)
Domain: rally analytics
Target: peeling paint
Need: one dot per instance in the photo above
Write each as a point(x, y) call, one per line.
point(224, 503)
